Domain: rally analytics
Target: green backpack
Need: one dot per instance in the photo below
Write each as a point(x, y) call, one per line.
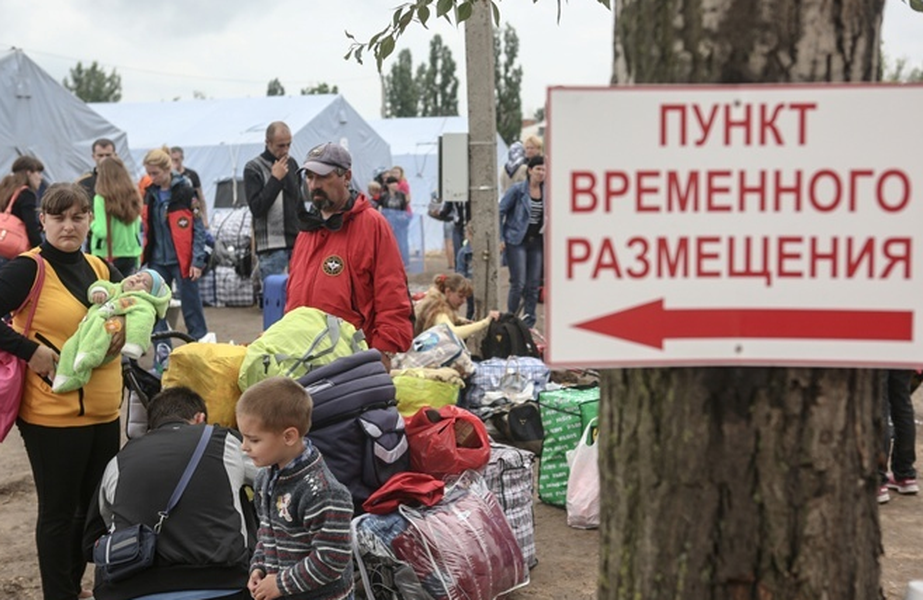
point(302, 339)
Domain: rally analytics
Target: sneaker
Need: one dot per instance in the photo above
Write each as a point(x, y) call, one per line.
point(903, 486)
point(883, 495)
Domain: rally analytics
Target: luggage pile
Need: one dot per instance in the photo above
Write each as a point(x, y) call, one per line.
point(411, 458)
point(420, 447)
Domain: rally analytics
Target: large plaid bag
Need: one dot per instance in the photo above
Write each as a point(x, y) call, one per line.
point(509, 476)
point(499, 382)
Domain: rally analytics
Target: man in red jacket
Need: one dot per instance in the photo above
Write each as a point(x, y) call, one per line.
point(346, 261)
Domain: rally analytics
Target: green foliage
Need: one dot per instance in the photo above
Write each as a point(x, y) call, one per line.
point(437, 82)
point(430, 91)
point(275, 88)
point(539, 115)
point(92, 84)
point(381, 45)
point(401, 88)
point(321, 88)
point(916, 5)
point(898, 73)
point(508, 84)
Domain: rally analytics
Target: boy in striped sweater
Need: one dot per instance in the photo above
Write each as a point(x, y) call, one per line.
point(303, 546)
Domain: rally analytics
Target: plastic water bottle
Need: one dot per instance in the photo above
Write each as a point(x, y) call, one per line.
point(161, 357)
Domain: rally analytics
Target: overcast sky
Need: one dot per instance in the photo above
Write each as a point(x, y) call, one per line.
point(168, 49)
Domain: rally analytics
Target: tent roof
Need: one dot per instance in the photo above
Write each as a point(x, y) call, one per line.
point(190, 123)
point(40, 117)
point(417, 135)
point(218, 137)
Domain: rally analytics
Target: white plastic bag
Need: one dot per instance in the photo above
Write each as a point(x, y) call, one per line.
point(583, 481)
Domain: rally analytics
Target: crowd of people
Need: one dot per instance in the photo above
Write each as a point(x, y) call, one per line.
point(343, 255)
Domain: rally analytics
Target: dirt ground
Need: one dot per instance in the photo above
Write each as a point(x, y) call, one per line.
point(567, 568)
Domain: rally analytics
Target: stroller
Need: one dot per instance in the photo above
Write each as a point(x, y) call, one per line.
point(140, 385)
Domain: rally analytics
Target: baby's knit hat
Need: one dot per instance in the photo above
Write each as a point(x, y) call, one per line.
point(157, 282)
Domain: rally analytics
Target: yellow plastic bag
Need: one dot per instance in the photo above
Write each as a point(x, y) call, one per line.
point(211, 370)
point(413, 393)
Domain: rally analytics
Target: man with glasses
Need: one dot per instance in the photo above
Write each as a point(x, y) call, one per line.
point(346, 261)
point(276, 200)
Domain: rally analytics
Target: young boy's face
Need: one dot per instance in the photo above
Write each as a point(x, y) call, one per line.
point(139, 282)
point(264, 447)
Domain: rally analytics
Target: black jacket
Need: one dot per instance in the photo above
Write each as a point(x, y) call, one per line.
point(275, 226)
point(207, 541)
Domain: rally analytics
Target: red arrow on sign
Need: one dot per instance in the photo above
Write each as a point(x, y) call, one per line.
point(650, 324)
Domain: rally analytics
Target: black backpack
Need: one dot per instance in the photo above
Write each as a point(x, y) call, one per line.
point(508, 336)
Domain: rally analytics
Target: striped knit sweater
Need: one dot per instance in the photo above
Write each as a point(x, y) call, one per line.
point(303, 535)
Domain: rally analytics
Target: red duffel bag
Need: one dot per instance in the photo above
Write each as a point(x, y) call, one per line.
point(446, 441)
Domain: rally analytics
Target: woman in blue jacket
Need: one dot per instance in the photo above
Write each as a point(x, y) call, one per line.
point(522, 225)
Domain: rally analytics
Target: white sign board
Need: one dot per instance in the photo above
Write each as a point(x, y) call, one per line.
point(735, 225)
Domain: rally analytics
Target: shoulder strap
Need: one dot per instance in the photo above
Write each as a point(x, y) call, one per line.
point(9, 205)
point(187, 475)
point(35, 291)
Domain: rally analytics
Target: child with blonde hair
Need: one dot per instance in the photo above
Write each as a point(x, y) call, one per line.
point(441, 304)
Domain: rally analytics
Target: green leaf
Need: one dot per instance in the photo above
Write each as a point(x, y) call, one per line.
point(405, 20)
point(397, 17)
point(496, 10)
point(423, 15)
point(349, 35)
point(386, 48)
point(443, 7)
point(464, 11)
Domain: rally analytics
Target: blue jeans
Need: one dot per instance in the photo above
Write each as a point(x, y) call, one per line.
point(193, 313)
point(400, 225)
point(525, 262)
point(274, 262)
point(896, 405)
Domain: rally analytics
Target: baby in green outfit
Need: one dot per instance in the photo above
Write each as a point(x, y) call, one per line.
point(141, 298)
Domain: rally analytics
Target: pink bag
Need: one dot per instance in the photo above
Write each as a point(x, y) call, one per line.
point(13, 368)
point(14, 239)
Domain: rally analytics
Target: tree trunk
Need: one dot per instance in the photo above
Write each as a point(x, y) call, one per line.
point(482, 157)
point(741, 483)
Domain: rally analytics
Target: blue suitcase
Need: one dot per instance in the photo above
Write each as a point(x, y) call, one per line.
point(273, 299)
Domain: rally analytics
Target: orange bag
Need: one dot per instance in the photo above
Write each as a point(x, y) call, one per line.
point(446, 441)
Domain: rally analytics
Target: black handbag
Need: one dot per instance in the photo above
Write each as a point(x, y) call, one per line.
point(122, 553)
point(521, 426)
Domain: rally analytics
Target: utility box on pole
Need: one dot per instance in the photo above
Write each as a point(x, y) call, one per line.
point(453, 167)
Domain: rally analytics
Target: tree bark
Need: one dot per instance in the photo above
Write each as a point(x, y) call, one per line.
point(482, 160)
point(741, 483)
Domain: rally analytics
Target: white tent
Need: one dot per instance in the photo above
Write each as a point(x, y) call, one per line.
point(41, 118)
point(218, 137)
point(414, 145)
